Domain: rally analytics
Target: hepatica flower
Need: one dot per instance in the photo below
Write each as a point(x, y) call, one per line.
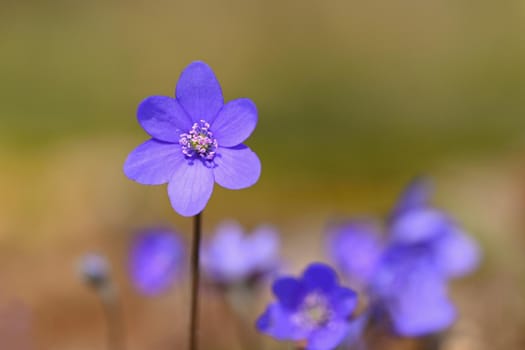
point(406, 273)
point(196, 140)
point(313, 308)
point(156, 260)
point(232, 257)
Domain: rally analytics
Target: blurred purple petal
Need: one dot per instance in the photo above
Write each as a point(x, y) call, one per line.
point(328, 337)
point(163, 118)
point(190, 188)
point(457, 254)
point(422, 309)
point(356, 248)
point(235, 122)
point(153, 162)
point(232, 257)
point(228, 231)
point(344, 301)
point(414, 292)
point(156, 260)
point(416, 226)
point(237, 167)
point(399, 267)
point(417, 195)
point(199, 92)
point(265, 254)
point(224, 258)
point(278, 323)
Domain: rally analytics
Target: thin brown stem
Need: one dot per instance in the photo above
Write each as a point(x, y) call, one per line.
point(195, 281)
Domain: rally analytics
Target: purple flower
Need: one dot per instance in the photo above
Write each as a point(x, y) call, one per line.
point(232, 257)
point(356, 248)
point(313, 308)
point(406, 276)
point(196, 141)
point(156, 260)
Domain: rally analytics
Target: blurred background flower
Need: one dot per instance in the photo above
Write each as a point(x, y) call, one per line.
point(405, 271)
point(313, 309)
point(156, 260)
point(232, 258)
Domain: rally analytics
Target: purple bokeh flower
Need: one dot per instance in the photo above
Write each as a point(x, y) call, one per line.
point(232, 257)
point(156, 260)
point(313, 308)
point(356, 248)
point(197, 140)
point(407, 272)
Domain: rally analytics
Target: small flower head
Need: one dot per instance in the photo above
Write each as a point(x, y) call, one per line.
point(156, 260)
point(407, 275)
point(94, 269)
point(233, 258)
point(313, 308)
point(196, 141)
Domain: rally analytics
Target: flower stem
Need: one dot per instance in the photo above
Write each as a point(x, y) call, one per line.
point(195, 279)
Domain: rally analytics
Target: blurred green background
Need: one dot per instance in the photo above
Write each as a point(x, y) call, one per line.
point(354, 98)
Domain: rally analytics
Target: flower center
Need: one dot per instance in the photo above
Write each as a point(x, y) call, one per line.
point(199, 142)
point(315, 311)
